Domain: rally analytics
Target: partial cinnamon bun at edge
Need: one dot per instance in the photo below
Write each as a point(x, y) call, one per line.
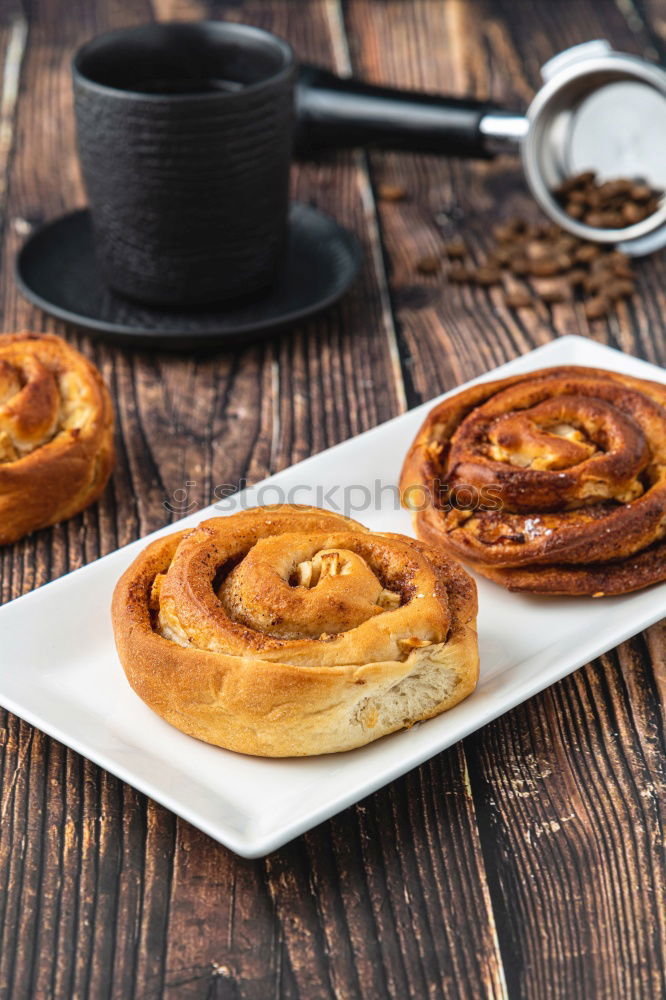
point(56, 433)
point(292, 631)
point(552, 482)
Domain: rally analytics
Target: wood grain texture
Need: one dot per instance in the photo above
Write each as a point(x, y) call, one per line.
point(527, 862)
point(565, 787)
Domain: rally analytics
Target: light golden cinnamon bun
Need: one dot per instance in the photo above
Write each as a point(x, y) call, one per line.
point(552, 482)
point(293, 631)
point(56, 433)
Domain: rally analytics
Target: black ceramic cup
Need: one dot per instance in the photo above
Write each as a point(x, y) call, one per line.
point(184, 136)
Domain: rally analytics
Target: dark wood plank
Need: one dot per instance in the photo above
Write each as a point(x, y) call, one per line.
point(103, 893)
point(308, 948)
point(575, 827)
point(567, 786)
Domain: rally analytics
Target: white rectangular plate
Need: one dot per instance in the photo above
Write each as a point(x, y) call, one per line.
point(60, 672)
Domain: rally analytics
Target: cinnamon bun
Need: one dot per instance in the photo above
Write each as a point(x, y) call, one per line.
point(292, 631)
point(56, 433)
point(552, 482)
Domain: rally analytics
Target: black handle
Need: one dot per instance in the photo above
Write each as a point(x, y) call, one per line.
point(332, 113)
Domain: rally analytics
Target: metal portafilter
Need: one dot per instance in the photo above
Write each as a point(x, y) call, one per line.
point(598, 110)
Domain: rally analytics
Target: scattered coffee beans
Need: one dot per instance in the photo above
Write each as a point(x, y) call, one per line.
point(428, 265)
point(460, 274)
point(543, 264)
point(488, 276)
point(597, 307)
point(456, 249)
point(613, 204)
point(391, 192)
point(553, 293)
point(518, 298)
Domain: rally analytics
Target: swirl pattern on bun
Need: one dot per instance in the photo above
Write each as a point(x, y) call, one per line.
point(552, 482)
point(291, 631)
point(56, 433)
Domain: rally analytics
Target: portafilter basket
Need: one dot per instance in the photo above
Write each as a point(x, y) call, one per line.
point(598, 110)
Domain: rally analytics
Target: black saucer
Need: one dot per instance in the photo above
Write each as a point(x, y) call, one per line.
point(56, 269)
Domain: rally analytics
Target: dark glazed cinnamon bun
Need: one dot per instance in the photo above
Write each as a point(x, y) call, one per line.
point(576, 459)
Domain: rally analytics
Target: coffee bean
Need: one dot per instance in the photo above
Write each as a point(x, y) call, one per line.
point(622, 270)
point(391, 192)
point(460, 274)
point(632, 213)
point(575, 210)
point(538, 249)
point(612, 220)
point(455, 249)
point(552, 293)
point(578, 181)
point(519, 265)
point(595, 282)
point(502, 256)
point(596, 307)
point(594, 199)
point(601, 265)
point(428, 265)
point(548, 266)
point(505, 233)
point(576, 277)
point(487, 276)
point(518, 298)
point(640, 192)
point(611, 189)
point(586, 253)
point(566, 243)
point(620, 289)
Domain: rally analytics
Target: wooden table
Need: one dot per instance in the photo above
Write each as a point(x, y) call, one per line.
point(526, 861)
